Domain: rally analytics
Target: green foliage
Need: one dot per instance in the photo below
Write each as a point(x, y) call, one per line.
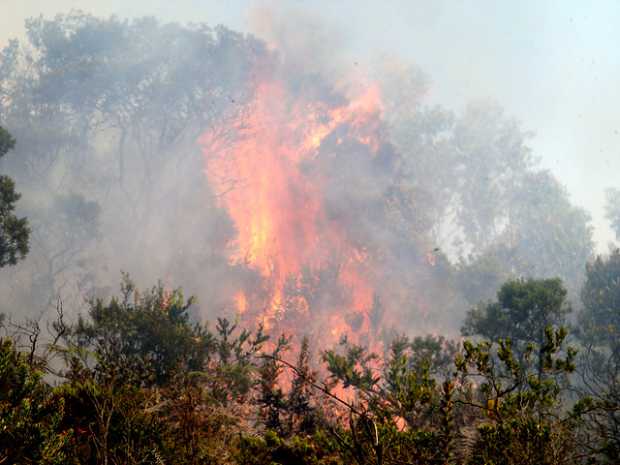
point(146, 337)
point(271, 400)
point(30, 417)
point(599, 365)
point(113, 107)
point(600, 316)
point(146, 382)
point(523, 311)
point(14, 231)
point(519, 371)
point(520, 398)
point(303, 416)
point(273, 449)
point(517, 442)
point(403, 414)
point(598, 406)
point(143, 384)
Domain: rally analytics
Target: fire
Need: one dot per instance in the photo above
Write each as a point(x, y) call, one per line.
point(241, 303)
point(262, 165)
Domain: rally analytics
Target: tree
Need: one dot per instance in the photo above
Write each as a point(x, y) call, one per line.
point(271, 399)
point(478, 193)
point(491, 156)
point(543, 236)
point(401, 413)
point(141, 380)
point(30, 417)
point(14, 231)
point(302, 415)
point(127, 395)
point(147, 337)
point(599, 401)
point(523, 313)
point(546, 236)
point(599, 364)
point(107, 112)
point(600, 316)
point(521, 400)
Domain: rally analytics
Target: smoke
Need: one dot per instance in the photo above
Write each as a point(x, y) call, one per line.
point(439, 200)
point(306, 44)
point(525, 56)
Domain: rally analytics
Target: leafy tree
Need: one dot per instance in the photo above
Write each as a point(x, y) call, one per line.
point(600, 316)
point(30, 418)
point(521, 400)
point(14, 231)
point(147, 334)
point(524, 311)
point(401, 413)
point(491, 157)
point(433, 352)
point(480, 195)
point(107, 112)
point(543, 236)
point(599, 367)
point(143, 381)
point(510, 209)
point(546, 236)
point(126, 397)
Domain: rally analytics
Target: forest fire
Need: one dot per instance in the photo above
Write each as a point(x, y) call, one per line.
point(267, 168)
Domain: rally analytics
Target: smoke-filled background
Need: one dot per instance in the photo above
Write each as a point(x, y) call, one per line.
point(486, 156)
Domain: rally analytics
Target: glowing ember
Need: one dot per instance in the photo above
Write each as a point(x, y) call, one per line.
point(261, 167)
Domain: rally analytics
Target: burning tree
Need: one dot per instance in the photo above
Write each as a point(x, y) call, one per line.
point(306, 180)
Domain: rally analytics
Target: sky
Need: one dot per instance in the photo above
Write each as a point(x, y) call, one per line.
point(554, 65)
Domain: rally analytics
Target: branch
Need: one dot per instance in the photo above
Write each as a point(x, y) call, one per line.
point(316, 386)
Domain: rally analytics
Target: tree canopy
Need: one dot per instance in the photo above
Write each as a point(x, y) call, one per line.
point(138, 382)
point(600, 316)
point(523, 311)
point(14, 231)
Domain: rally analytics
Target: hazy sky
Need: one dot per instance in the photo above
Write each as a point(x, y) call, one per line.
point(555, 65)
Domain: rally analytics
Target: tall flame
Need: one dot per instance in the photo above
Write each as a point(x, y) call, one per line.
point(260, 166)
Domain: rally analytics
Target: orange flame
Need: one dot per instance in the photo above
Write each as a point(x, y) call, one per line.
point(260, 167)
